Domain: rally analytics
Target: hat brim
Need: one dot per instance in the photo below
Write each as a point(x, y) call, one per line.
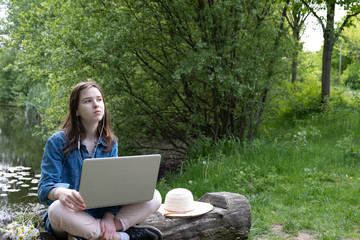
point(200, 209)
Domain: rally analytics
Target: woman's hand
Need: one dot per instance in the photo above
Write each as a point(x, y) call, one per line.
point(70, 198)
point(107, 227)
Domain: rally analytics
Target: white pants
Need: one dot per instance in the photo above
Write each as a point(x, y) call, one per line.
point(79, 223)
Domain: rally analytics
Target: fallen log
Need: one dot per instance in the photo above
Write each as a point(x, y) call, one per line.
point(229, 219)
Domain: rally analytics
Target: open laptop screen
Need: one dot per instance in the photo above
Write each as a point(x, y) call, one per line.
point(119, 180)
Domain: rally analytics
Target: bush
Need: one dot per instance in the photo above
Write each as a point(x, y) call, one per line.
point(299, 99)
point(349, 146)
point(352, 75)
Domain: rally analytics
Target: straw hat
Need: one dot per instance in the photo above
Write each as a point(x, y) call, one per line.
point(179, 202)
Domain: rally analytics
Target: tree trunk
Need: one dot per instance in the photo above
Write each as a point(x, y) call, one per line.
point(296, 37)
point(326, 70)
point(329, 38)
point(296, 27)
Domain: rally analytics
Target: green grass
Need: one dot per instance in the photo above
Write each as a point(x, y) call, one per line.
point(302, 175)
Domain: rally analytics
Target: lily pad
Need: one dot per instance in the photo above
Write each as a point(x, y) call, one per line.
point(12, 190)
point(24, 173)
point(32, 195)
point(25, 178)
point(6, 187)
point(35, 181)
point(12, 181)
point(18, 168)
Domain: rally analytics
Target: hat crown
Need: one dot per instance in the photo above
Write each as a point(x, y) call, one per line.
point(179, 200)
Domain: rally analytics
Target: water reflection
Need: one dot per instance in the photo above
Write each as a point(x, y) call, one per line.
point(20, 159)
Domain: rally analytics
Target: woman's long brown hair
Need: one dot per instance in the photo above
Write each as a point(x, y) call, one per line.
point(73, 127)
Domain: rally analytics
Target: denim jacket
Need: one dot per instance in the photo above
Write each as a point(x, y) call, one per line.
point(58, 171)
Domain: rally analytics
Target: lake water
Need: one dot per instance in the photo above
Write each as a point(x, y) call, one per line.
point(20, 159)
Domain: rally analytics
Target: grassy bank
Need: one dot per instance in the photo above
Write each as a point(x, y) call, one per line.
point(301, 175)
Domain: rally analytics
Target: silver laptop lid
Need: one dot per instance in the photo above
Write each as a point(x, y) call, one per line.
point(118, 180)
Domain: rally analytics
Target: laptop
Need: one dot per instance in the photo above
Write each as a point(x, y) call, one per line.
point(118, 180)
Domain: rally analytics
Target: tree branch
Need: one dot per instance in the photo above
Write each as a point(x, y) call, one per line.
point(314, 13)
point(347, 19)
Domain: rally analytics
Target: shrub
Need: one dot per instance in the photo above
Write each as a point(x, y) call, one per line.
point(352, 75)
point(349, 146)
point(299, 99)
point(253, 179)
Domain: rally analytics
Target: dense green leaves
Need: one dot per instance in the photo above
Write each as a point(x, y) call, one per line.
point(171, 70)
point(351, 49)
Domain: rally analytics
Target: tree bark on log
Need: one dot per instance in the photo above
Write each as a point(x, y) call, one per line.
point(229, 219)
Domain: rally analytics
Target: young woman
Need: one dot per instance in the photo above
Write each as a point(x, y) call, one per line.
point(86, 133)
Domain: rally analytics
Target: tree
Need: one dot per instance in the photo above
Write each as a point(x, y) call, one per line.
point(6, 76)
point(330, 33)
point(22, 72)
point(173, 70)
point(296, 18)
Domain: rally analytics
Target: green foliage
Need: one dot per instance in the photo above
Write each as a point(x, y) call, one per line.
point(29, 218)
point(349, 145)
point(301, 138)
point(350, 40)
point(6, 76)
point(17, 86)
point(351, 75)
point(254, 180)
point(205, 147)
point(171, 71)
point(310, 66)
point(299, 99)
point(302, 98)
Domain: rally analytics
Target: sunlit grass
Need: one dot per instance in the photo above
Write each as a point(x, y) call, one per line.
point(303, 176)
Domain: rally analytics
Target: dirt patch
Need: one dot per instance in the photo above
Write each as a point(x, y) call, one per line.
point(302, 235)
point(276, 231)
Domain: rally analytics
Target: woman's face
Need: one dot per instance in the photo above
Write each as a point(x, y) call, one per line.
point(91, 106)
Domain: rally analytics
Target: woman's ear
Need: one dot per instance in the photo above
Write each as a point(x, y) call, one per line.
point(77, 113)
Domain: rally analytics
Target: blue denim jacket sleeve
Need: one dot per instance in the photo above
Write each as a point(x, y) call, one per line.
point(51, 167)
